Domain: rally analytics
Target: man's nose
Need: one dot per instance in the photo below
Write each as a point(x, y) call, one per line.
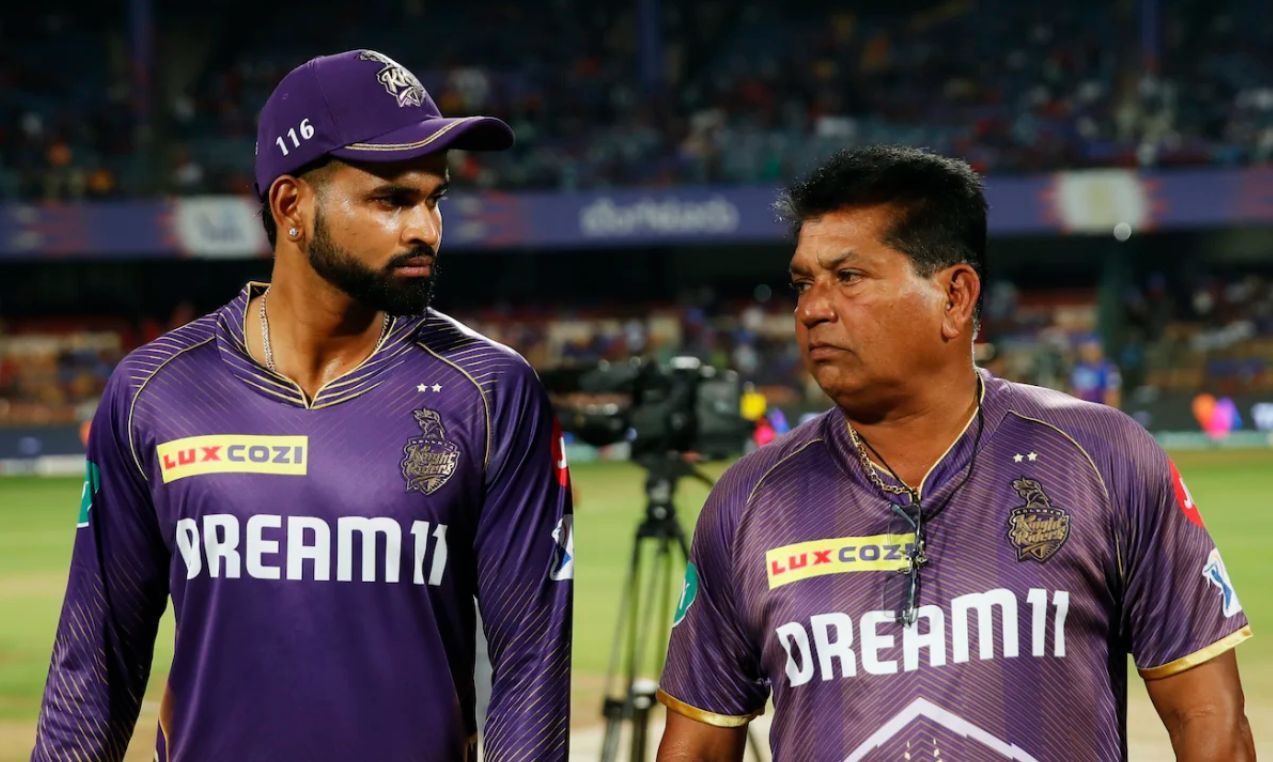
point(814, 306)
point(422, 225)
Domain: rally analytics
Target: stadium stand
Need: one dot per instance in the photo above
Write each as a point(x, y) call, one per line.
point(1216, 335)
point(738, 91)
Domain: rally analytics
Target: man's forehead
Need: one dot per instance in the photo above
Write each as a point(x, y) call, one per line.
point(854, 222)
point(429, 170)
point(850, 236)
point(824, 245)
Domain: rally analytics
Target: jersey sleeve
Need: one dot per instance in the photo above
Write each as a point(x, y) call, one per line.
point(1180, 608)
point(713, 672)
point(525, 568)
point(115, 596)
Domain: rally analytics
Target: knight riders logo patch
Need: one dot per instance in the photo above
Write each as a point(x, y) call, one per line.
point(1037, 529)
point(430, 458)
point(396, 79)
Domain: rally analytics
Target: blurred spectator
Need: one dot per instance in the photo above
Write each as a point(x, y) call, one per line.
point(1094, 378)
point(1222, 341)
point(749, 92)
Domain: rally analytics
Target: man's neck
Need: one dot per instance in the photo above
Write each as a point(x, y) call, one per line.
point(913, 435)
point(316, 332)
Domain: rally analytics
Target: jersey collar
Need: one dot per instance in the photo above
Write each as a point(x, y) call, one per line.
point(231, 327)
point(950, 466)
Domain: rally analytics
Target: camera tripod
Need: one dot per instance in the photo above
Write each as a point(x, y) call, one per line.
point(645, 608)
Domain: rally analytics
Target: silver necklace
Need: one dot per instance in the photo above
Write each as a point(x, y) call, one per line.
point(268, 351)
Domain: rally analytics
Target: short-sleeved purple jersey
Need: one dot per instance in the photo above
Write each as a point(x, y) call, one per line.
point(1072, 543)
point(322, 556)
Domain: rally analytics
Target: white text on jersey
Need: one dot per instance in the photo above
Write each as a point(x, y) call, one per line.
point(299, 548)
point(825, 645)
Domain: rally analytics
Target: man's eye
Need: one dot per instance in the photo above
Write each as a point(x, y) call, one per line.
point(799, 286)
point(848, 276)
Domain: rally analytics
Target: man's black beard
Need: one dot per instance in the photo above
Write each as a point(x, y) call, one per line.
point(378, 289)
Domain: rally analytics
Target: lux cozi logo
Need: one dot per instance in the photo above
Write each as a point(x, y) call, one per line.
point(233, 453)
point(879, 552)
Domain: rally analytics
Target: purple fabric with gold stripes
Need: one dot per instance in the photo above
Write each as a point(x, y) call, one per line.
point(1073, 542)
point(322, 556)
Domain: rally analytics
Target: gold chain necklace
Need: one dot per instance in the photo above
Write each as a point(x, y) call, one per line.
point(870, 470)
point(268, 351)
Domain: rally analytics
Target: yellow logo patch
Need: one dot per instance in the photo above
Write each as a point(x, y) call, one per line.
point(233, 454)
point(840, 555)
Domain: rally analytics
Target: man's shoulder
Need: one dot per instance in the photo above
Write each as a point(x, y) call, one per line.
point(1107, 436)
point(743, 478)
point(1074, 416)
point(500, 375)
point(447, 338)
point(171, 350)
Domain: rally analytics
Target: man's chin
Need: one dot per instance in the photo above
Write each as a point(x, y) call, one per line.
point(404, 300)
point(838, 383)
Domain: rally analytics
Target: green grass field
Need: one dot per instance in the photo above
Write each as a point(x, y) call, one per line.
point(37, 523)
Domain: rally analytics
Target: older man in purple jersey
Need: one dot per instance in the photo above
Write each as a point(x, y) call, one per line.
point(945, 565)
point(323, 474)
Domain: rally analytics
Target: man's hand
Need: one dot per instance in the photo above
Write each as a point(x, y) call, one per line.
point(1202, 708)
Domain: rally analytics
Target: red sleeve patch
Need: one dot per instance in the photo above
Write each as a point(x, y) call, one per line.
point(1183, 498)
point(559, 456)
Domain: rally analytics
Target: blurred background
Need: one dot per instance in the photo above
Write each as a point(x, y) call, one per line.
point(1125, 146)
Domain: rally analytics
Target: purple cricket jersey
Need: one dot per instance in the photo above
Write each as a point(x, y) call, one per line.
point(322, 556)
point(1073, 542)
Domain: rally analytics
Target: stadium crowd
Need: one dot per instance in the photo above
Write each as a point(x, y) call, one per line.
point(721, 92)
point(1217, 338)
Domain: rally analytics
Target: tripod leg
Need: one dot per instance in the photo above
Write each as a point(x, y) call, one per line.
point(610, 746)
point(665, 583)
point(673, 573)
point(626, 615)
point(640, 729)
point(617, 702)
point(658, 579)
point(659, 584)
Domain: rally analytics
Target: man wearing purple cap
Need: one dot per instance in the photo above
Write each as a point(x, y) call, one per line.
point(324, 474)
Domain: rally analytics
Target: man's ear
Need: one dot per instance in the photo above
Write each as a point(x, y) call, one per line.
point(292, 203)
point(962, 286)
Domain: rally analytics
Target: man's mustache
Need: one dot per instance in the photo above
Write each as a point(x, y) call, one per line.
point(404, 259)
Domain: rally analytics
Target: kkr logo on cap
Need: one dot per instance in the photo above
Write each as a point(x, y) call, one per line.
point(398, 82)
point(233, 454)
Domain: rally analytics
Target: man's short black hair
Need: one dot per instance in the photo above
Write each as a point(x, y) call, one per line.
point(941, 218)
point(310, 173)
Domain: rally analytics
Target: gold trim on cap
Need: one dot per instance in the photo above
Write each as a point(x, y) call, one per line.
point(702, 715)
point(1200, 656)
point(408, 146)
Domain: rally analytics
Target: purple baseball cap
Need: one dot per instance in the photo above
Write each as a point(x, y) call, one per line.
point(362, 106)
